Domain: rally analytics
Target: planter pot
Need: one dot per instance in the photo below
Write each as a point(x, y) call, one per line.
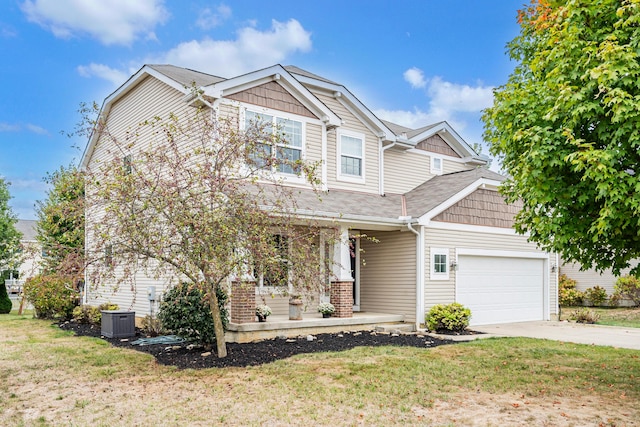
point(262, 318)
point(326, 315)
point(295, 308)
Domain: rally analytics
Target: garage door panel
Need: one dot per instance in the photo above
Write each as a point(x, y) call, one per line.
point(501, 289)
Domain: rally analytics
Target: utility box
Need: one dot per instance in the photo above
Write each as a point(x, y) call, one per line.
point(118, 324)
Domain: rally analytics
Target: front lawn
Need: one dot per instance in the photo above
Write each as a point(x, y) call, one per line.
point(49, 377)
point(615, 316)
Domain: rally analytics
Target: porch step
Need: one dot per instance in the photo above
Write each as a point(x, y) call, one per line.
point(396, 328)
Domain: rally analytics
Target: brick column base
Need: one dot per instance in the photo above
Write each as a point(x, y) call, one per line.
point(243, 302)
point(342, 298)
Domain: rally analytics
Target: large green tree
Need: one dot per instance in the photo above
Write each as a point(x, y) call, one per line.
point(566, 127)
point(9, 235)
point(60, 226)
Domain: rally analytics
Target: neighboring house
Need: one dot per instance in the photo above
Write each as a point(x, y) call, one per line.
point(445, 233)
point(590, 278)
point(31, 252)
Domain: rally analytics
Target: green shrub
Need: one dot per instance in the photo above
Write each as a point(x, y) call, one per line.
point(5, 301)
point(628, 287)
point(91, 315)
point(448, 318)
point(596, 296)
point(584, 315)
point(568, 295)
point(185, 312)
point(152, 326)
point(51, 296)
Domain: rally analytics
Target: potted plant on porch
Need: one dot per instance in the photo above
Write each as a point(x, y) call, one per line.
point(263, 311)
point(326, 308)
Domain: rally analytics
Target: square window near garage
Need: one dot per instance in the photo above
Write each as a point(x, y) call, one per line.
point(439, 264)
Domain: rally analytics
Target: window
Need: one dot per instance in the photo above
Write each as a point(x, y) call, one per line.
point(276, 274)
point(351, 153)
point(436, 165)
point(108, 255)
point(288, 146)
point(439, 264)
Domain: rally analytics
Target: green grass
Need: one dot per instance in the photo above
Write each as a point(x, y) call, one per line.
point(61, 378)
point(628, 317)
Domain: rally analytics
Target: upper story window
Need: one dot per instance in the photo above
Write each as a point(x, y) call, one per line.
point(436, 165)
point(351, 156)
point(285, 149)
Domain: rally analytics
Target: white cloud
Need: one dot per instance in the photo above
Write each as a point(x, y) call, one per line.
point(19, 127)
point(111, 22)
point(415, 77)
point(105, 72)
point(251, 50)
point(210, 19)
point(447, 101)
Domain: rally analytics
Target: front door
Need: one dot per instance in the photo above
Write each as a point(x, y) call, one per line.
point(355, 271)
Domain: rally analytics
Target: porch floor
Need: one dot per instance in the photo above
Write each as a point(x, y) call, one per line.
point(311, 323)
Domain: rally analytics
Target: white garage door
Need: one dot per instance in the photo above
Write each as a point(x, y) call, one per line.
point(501, 289)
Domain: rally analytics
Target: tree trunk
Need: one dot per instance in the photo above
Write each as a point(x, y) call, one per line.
point(218, 327)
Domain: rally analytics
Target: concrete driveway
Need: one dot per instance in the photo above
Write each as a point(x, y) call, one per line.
point(614, 336)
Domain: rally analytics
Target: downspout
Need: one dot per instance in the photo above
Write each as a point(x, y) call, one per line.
point(419, 263)
point(381, 161)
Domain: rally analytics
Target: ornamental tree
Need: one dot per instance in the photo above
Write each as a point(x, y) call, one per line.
point(9, 235)
point(60, 226)
point(566, 128)
point(197, 200)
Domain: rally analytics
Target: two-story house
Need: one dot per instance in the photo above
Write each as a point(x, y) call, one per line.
point(445, 233)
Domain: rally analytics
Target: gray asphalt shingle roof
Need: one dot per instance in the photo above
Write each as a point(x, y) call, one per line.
point(186, 76)
point(28, 229)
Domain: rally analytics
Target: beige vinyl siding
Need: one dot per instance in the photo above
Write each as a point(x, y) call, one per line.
point(279, 304)
point(451, 166)
point(443, 291)
point(313, 145)
point(404, 170)
point(371, 160)
point(148, 99)
point(590, 278)
point(388, 279)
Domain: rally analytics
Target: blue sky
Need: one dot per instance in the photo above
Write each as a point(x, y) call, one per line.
point(413, 62)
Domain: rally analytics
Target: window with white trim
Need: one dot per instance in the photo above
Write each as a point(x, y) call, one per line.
point(287, 147)
point(275, 275)
point(436, 165)
point(439, 264)
point(351, 156)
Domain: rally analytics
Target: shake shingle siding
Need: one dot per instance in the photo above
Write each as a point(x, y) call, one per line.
point(272, 95)
point(482, 207)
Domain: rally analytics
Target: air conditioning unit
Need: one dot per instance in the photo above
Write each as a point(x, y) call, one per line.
point(118, 324)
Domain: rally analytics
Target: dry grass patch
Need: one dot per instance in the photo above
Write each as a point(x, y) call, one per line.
point(50, 378)
point(628, 317)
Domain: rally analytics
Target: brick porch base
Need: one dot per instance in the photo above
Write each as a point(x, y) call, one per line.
point(342, 298)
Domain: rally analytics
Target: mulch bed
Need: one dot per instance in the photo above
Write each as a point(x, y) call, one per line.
point(258, 353)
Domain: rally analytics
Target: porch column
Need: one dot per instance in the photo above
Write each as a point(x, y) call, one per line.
point(243, 299)
point(342, 282)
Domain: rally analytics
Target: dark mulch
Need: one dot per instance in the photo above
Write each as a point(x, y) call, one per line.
point(258, 353)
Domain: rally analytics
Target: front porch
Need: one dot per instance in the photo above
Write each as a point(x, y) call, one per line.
point(311, 324)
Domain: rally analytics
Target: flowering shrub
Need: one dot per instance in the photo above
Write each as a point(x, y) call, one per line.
point(326, 308)
point(568, 295)
point(448, 318)
point(628, 287)
point(92, 315)
point(596, 296)
point(263, 310)
point(51, 296)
